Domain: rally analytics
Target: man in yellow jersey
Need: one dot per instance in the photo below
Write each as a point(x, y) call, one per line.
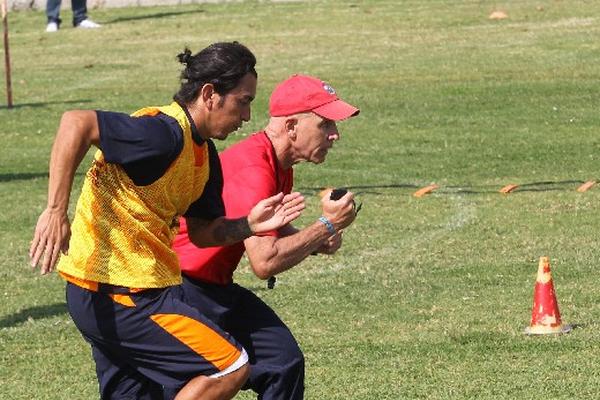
point(123, 279)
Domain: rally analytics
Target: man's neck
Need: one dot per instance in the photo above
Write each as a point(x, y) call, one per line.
point(198, 120)
point(281, 146)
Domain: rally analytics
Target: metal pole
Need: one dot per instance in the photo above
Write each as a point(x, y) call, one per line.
point(6, 53)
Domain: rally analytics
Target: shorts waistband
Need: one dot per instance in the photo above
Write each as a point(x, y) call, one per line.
point(99, 286)
point(205, 284)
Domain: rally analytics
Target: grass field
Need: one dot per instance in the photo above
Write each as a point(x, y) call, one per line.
point(428, 297)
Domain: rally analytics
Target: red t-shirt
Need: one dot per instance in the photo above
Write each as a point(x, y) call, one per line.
point(250, 173)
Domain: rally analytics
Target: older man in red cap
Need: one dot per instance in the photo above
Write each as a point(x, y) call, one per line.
point(304, 111)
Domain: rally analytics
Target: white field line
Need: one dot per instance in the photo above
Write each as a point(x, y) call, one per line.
point(408, 247)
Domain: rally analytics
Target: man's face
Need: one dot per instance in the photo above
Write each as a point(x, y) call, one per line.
point(314, 137)
point(232, 109)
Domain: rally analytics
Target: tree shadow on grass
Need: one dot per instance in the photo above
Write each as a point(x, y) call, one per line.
point(363, 189)
point(26, 176)
point(43, 104)
point(543, 186)
point(22, 176)
point(37, 312)
point(546, 186)
point(152, 16)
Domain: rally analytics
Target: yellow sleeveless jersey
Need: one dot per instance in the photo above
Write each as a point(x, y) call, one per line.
point(122, 233)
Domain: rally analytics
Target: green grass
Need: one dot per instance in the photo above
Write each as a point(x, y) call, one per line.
point(428, 297)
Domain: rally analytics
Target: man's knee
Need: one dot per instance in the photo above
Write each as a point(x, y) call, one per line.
point(228, 385)
point(217, 388)
point(295, 363)
point(292, 360)
point(283, 380)
point(288, 368)
point(240, 376)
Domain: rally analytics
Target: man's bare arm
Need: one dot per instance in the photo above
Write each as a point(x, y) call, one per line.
point(77, 132)
point(269, 214)
point(219, 232)
point(270, 255)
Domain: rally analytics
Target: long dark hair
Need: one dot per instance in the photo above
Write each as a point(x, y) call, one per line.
point(223, 64)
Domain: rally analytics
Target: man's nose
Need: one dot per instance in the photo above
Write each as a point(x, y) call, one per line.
point(246, 115)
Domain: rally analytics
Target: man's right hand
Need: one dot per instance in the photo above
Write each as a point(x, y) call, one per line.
point(339, 212)
point(51, 236)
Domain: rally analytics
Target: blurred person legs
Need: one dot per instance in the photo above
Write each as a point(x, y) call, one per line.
point(80, 18)
point(53, 15)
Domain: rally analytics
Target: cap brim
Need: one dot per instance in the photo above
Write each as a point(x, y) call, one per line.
point(337, 110)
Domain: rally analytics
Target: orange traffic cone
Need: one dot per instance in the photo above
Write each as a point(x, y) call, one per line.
point(545, 317)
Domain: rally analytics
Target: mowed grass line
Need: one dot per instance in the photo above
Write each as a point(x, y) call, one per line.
point(428, 297)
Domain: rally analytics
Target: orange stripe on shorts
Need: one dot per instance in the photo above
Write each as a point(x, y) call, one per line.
point(200, 338)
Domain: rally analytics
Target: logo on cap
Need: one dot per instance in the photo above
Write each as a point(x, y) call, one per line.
point(328, 88)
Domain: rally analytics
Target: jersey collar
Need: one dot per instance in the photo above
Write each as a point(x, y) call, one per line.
point(195, 135)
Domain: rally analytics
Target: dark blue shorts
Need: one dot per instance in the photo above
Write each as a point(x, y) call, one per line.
point(144, 341)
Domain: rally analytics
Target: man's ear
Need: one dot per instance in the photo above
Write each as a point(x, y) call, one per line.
point(291, 125)
point(207, 94)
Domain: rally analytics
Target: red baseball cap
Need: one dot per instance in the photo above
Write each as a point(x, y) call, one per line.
point(302, 93)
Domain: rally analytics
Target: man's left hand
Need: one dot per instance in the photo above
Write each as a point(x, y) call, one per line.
point(274, 212)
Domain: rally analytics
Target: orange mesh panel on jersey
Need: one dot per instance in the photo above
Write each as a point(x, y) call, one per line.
point(200, 155)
